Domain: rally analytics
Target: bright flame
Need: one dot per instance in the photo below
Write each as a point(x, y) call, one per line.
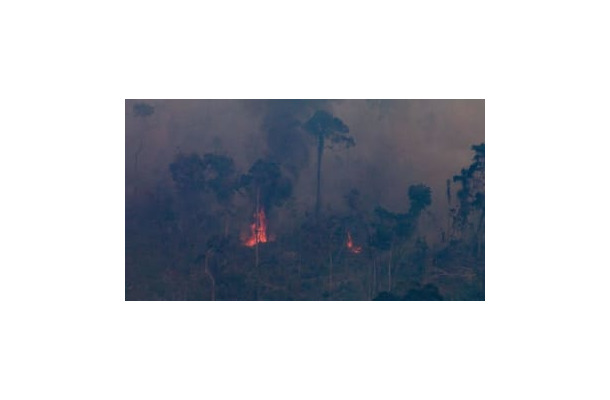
point(350, 245)
point(258, 230)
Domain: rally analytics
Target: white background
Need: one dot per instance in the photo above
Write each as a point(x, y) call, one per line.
point(68, 333)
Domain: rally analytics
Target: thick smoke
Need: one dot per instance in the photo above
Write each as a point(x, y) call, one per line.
point(398, 143)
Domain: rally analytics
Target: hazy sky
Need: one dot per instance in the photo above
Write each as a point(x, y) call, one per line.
point(398, 143)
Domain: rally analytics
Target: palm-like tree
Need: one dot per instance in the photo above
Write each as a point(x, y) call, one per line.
point(324, 126)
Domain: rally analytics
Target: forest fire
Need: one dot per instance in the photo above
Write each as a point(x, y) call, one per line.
point(258, 230)
point(350, 245)
point(256, 200)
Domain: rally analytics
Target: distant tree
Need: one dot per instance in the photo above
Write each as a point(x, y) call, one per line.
point(212, 172)
point(390, 226)
point(448, 227)
point(325, 127)
point(143, 110)
point(205, 187)
point(220, 176)
point(188, 173)
point(471, 195)
point(420, 197)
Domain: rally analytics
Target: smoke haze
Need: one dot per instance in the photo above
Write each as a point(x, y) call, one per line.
point(398, 143)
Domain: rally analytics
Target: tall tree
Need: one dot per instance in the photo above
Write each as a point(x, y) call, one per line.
point(204, 183)
point(267, 187)
point(325, 127)
point(471, 195)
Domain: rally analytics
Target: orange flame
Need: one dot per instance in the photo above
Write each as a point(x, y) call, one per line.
point(350, 245)
point(258, 230)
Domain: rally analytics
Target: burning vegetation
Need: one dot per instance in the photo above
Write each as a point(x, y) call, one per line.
point(350, 244)
point(258, 230)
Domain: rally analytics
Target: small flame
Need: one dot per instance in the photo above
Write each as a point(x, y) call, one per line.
point(350, 245)
point(258, 230)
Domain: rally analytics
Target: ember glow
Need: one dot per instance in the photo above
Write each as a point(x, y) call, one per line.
point(350, 245)
point(258, 230)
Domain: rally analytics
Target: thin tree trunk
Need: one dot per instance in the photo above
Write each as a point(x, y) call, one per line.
point(299, 281)
point(390, 268)
point(299, 267)
point(374, 277)
point(330, 276)
point(256, 231)
point(209, 275)
point(448, 231)
point(477, 236)
point(300, 255)
point(320, 151)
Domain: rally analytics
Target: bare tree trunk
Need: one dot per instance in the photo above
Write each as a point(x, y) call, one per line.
point(478, 234)
point(374, 277)
point(447, 235)
point(330, 275)
point(320, 151)
point(256, 231)
point(390, 267)
point(226, 230)
point(209, 275)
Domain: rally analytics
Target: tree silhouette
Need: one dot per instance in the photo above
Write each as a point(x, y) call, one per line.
point(420, 198)
point(188, 173)
point(389, 227)
point(265, 184)
point(324, 126)
point(143, 110)
point(212, 172)
point(220, 176)
point(204, 185)
point(471, 195)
